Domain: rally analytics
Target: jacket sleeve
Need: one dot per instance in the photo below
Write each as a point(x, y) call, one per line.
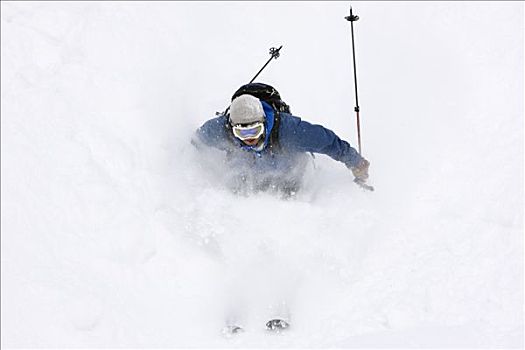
point(306, 137)
point(212, 133)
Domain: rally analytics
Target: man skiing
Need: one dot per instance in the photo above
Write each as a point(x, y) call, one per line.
point(268, 146)
point(267, 149)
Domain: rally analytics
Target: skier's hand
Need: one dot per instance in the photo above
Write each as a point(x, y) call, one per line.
point(360, 171)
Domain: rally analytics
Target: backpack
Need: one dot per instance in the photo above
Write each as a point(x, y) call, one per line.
point(270, 95)
point(265, 93)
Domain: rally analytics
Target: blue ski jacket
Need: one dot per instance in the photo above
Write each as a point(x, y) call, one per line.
point(296, 138)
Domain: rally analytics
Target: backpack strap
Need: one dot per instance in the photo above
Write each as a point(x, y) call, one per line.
point(274, 144)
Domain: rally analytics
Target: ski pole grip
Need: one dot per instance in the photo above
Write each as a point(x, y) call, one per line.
point(363, 185)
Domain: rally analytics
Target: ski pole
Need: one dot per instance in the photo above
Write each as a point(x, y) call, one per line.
point(353, 18)
point(274, 54)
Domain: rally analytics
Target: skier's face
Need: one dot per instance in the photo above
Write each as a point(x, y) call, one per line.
point(251, 142)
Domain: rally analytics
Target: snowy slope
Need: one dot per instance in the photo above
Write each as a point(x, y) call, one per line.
point(116, 233)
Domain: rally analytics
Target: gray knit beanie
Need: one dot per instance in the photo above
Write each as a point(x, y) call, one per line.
point(246, 109)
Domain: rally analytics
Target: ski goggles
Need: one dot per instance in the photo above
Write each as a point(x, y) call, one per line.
point(252, 131)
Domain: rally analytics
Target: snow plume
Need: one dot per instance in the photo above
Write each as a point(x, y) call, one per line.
point(117, 232)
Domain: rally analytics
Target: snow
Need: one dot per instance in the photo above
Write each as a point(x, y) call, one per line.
point(117, 233)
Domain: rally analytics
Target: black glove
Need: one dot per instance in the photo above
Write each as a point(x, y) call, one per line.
point(360, 170)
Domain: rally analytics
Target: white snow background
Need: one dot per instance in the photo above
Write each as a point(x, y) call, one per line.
point(116, 233)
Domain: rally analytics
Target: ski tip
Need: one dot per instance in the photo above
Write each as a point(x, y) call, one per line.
point(277, 325)
point(230, 331)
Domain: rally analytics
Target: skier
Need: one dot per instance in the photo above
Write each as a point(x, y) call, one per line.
point(268, 147)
